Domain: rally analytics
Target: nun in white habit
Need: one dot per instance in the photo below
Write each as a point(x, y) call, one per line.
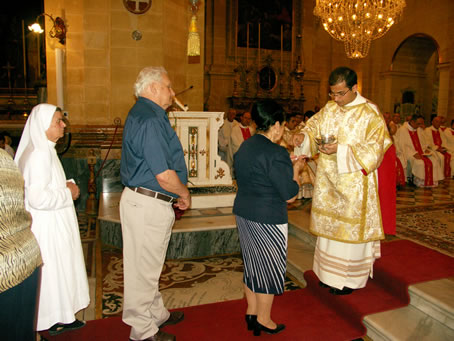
point(49, 198)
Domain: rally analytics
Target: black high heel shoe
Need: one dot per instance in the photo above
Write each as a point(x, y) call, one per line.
point(258, 328)
point(251, 320)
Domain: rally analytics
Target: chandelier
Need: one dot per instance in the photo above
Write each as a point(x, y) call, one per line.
point(358, 22)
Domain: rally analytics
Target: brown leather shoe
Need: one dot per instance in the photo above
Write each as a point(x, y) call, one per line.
point(174, 318)
point(159, 336)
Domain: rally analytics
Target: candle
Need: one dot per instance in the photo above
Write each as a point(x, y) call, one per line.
point(247, 46)
point(25, 58)
point(293, 36)
point(236, 42)
point(282, 46)
point(259, 46)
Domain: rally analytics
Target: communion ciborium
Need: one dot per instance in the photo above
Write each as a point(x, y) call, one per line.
point(325, 139)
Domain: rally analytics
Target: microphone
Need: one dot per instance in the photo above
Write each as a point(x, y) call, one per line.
point(183, 91)
point(182, 107)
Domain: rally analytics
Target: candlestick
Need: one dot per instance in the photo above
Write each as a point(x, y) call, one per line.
point(282, 46)
point(259, 46)
point(59, 57)
point(247, 46)
point(236, 42)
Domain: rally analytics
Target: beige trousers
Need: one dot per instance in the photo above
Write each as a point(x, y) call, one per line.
point(146, 225)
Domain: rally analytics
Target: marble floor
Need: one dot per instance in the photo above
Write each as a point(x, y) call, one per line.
point(222, 218)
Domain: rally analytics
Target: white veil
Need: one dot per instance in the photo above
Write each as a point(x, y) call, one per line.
point(34, 135)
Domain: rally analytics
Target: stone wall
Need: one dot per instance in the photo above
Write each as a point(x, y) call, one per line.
point(102, 59)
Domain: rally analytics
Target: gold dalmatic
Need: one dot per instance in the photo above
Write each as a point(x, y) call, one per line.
point(345, 205)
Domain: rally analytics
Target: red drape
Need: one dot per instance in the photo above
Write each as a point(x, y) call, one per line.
point(387, 190)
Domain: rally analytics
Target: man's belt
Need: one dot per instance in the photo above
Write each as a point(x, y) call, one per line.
point(153, 194)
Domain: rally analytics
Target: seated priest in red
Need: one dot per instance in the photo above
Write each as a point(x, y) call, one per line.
point(438, 143)
point(241, 132)
point(423, 164)
point(401, 163)
point(449, 133)
point(443, 123)
point(396, 120)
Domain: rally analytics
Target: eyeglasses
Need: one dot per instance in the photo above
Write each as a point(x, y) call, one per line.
point(338, 94)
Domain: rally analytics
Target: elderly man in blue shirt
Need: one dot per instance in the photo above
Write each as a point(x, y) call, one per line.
point(154, 173)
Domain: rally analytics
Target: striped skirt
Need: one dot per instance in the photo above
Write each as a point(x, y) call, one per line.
point(264, 250)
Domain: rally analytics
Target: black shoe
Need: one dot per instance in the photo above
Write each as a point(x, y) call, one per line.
point(258, 328)
point(251, 320)
point(323, 285)
point(174, 318)
point(61, 327)
point(344, 291)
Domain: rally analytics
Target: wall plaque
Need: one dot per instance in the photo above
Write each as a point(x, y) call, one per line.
point(137, 6)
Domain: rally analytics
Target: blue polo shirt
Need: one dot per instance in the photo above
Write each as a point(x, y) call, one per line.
point(150, 146)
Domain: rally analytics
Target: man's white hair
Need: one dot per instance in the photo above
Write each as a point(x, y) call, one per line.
point(147, 76)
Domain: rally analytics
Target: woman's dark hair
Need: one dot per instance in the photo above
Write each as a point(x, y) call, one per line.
point(309, 114)
point(266, 113)
point(341, 74)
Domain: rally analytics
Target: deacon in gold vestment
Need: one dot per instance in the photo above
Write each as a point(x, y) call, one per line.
point(346, 213)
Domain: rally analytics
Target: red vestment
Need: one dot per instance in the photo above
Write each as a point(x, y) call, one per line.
point(400, 174)
point(246, 133)
point(447, 157)
point(428, 167)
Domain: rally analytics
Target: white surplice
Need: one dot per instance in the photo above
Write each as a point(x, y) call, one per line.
point(449, 133)
point(236, 137)
point(224, 139)
point(64, 285)
point(405, 146)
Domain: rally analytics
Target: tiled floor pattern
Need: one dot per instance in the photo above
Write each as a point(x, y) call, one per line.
point(413, 196)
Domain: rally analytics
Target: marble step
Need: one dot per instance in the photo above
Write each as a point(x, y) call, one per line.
point(430, 315)
point(301, 243)
point(408, 323)
point(300, 256)
point(435, 298)
point(299, 221)
point(212, 200)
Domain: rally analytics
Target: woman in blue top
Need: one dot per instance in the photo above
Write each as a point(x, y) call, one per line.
point(267, 181)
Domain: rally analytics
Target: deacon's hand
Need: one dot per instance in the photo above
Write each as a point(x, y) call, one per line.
point(328, 148)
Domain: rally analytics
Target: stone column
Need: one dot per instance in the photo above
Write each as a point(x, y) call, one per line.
point(443, 89)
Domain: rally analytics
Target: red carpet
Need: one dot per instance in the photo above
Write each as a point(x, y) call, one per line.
point(309, 314)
